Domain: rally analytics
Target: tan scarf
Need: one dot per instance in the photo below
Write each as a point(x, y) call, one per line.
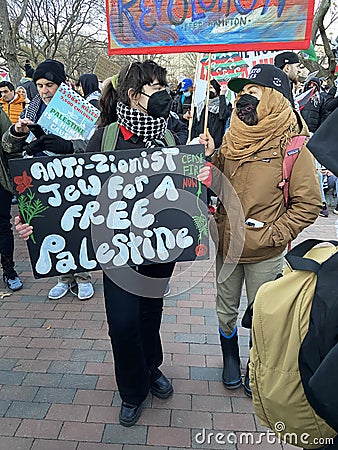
point(276, 124)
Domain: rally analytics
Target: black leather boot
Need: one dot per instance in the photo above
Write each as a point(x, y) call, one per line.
point(246, 383)
point(129, 414)
point(231, 376)
point(162, 387)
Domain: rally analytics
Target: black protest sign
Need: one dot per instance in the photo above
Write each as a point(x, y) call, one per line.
point(113, 209)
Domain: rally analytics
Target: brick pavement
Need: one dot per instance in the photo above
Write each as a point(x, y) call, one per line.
point(58, 390)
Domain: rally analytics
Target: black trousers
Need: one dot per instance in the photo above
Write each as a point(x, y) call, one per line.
point(133, 325)
point(6, 232)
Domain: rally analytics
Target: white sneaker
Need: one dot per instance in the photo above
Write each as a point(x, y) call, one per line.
point(13, 281)
point(58, 291)
point(85, 291)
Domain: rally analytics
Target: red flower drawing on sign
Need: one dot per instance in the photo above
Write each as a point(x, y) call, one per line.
point(23, 182)
point(201, 250)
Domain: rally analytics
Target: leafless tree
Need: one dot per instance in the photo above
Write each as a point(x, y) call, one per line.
point(68, 28)
point(327, 11)
point(71, 30)
point(11, 17)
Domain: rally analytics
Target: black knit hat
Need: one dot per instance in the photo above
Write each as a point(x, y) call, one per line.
point(265, 75)
point(52, 70)
point(286, 58)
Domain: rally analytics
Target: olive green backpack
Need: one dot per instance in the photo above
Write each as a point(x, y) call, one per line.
point(281, 315)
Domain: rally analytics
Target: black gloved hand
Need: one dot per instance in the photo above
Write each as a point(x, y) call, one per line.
point(56, 144)
point(33, 147)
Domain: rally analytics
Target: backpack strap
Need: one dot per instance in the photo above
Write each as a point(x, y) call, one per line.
point(302, 248)
point(292, 151)
point(169, 138)
point(109, 138)
point(295, 257)
point(111, 132)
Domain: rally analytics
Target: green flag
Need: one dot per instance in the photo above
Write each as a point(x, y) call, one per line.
point(310, 53)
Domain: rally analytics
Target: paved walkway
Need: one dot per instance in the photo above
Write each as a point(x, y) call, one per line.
point(58, 390)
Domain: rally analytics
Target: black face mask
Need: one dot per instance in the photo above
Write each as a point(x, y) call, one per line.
point(159, 104)
point(247, 104)
point(212, 94)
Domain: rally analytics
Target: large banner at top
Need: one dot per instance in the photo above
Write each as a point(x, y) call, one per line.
point(172, 26)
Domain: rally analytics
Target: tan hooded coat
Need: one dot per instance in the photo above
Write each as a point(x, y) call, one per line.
point(251, 159)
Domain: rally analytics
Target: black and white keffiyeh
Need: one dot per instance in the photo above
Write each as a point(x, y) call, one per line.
point(212, 108)
point(31, 111)
point(148, 128)
point(214, 105)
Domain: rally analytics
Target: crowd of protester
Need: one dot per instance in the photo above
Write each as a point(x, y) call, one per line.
point(140, 99)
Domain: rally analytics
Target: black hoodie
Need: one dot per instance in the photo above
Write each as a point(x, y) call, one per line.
point(90, 87)
point(314, 112)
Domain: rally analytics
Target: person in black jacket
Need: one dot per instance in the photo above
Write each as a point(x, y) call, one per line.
point(133, 315)
point(314, 111)
point(88, 86)
point(331, 102)
point(219, 110)
point(10, 276)
point(182, 102)
point(178, 127)
point(318, 354)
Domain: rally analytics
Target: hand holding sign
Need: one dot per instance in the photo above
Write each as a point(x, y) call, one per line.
point(208, 142)
point(23, 229)
point(205, 175)
point(33, 147)
point(51, 143)
point(56, 144)
point(21, 125)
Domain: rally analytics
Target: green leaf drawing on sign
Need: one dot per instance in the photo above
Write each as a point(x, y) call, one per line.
point(200, 222)
point(30, 208)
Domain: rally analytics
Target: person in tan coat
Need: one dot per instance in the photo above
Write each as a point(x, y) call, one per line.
point(254, 224)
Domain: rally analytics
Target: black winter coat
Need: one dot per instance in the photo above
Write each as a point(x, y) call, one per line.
point(331, 102)
point(314, 112)
point(181, 108)
point(178, 127)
